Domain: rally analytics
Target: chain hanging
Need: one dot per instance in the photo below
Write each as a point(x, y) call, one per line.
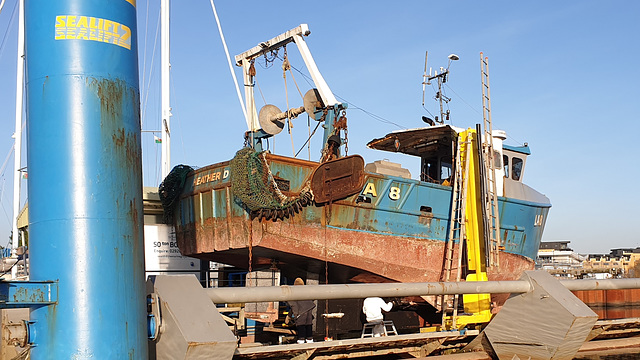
point(250, 282)
point(327, 212)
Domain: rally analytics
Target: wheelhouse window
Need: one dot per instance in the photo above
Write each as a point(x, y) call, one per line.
point(505, 161)
point(496, 160)
point(516, 168)
point(445, 169)
point(437, 170)
point(429, 170)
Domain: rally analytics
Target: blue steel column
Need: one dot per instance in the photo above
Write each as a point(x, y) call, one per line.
point(85, 181)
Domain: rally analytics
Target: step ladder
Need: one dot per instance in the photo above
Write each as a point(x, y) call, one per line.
point(457, 235)
point(490, 213)
point(387, 325)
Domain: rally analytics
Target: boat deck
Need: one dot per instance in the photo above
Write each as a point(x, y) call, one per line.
point(421, 344)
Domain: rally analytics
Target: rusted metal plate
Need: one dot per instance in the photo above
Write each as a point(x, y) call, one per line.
point(612, 304)
point(301, 245)
point(337, 179)
point(416, 141)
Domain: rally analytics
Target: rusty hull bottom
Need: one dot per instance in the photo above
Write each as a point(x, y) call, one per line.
point(296, 247)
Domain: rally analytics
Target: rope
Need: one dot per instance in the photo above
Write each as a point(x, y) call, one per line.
point(379, 118)
point(286, 66)
point(295, 82)
point(226, 51)
point(146, 90)
point(264, 100)
point(144, 59)
point(6, 32)
point(308, 139)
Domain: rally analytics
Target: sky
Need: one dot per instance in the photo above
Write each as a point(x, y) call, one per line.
point(564, 78)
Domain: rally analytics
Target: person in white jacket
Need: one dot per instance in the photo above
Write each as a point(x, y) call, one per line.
point(372, 309)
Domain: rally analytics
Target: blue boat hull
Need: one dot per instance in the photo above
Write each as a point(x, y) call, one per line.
point(394, 229)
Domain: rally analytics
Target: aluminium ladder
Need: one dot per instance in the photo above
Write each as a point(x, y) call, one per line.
point(457, 234)
point(491, 216)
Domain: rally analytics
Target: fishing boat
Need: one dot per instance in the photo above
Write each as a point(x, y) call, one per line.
point(339, 220)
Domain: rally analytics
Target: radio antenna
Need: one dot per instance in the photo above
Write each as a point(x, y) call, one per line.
point(424, 76)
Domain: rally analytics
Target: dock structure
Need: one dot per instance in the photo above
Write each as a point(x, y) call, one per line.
point(417, 345)
point(553, 316)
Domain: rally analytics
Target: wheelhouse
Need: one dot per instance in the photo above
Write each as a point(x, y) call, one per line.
point(434, 145)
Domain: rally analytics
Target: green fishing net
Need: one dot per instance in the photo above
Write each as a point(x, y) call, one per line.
point(171, 188)
point(254, 187)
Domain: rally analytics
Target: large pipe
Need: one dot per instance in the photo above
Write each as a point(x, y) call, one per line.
point(359, 291)
point(355, 291)
point(609, 284)
point(85, 180)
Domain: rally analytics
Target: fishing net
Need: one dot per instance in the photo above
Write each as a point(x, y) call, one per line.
point(255, 188)
point(171, 188)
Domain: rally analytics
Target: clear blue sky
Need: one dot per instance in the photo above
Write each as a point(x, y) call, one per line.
point(565, 78)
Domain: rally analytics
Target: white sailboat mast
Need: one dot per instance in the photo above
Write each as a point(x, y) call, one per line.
point(233, 75)
point(18, 132)
point(166, 107)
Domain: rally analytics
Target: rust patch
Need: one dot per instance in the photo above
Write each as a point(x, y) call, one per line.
point(120, 157)
point(118, 137)
point(44, 84)
point(337, 179)
point(134, 212)
point(22, 295)
point(425, 219)
point(110, 93)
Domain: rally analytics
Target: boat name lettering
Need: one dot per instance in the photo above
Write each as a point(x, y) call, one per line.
point(72, 27)
point(394, 193)
point(370, 189)
point(215, 176)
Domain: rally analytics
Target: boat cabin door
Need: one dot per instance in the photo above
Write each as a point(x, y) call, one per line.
point(437, 169)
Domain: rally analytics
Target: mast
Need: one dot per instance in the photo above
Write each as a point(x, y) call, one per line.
point(441, 78)
point(18, 135)
point(165, 65)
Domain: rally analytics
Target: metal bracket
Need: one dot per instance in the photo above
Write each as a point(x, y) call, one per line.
point(154, 318)
point(16, 334)
point(27, 294)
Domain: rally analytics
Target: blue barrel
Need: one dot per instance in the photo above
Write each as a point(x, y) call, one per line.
point(85, 179)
